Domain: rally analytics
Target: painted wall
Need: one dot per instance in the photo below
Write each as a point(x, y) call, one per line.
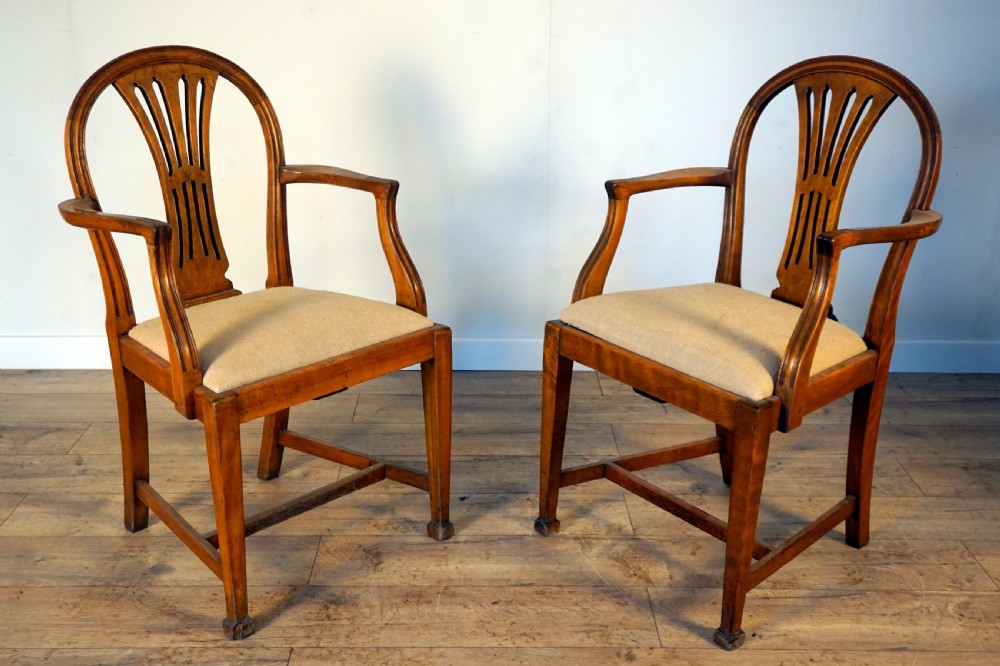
point(502, 120)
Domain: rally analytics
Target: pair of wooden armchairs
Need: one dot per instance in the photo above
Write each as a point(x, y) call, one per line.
point(751, 364)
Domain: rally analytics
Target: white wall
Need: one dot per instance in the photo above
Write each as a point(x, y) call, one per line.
point(502, 120)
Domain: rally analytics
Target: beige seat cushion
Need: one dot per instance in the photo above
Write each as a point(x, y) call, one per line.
point(257, 335)
point(726, 336)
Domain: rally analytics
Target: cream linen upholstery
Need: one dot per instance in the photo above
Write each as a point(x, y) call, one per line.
point(726, 336)
point(254, 336)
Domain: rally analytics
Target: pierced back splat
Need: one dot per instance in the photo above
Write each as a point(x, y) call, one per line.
point(173, 104)
point(837, 112)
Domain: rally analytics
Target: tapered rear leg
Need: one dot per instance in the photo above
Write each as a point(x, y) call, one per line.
point(725, 454)
point(222, 440)
point(134, 432)
point(436, 379)
point(865, 415)
point(749, 459)
point(269, 464)
point(557, 377)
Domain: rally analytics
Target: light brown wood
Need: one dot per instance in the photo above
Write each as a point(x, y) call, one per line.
point(840, 99)
point(169, 91)
point(356, 581)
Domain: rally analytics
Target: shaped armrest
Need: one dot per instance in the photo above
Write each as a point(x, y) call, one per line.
point(691, 177)
point(922, 223)
point(84, 213)
point(330, 175)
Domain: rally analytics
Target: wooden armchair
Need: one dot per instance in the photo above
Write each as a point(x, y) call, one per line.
point(750, 364)
point(223, 357)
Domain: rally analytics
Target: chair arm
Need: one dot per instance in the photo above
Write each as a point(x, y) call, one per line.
point(796, 365)
point(85, 214)
point(695, 176)
point(330, 175)
point(922, 223)
point(185, 363)
point(406, 281)
point(594, 273)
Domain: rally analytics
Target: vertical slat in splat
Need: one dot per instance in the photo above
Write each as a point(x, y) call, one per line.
point(837, 112)
point(173, 105)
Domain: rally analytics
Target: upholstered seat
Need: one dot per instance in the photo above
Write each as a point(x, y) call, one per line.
point(247, 338)
point(729, 337)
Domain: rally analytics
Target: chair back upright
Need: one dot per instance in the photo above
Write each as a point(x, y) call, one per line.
point(840, 100)
point(170, 91)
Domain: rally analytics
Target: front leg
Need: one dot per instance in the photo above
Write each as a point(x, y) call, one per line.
point(749, 445)
point(134, 433)
point(225, 468)
point(436, 379)
point(557, 377)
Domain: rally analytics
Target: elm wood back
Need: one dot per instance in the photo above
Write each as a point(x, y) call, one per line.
point(840, 99)
point(170, 92)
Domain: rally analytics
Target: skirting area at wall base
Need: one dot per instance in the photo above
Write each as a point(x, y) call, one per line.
point(80, 352)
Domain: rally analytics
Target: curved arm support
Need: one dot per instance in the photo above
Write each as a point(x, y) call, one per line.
point(594, 273)
point(185, 363)
point(796, 365)
point(406, 281)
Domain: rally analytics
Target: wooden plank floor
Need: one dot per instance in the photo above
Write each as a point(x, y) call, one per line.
point(356, 582)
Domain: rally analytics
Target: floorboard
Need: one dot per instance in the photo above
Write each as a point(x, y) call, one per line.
point(358, 582)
